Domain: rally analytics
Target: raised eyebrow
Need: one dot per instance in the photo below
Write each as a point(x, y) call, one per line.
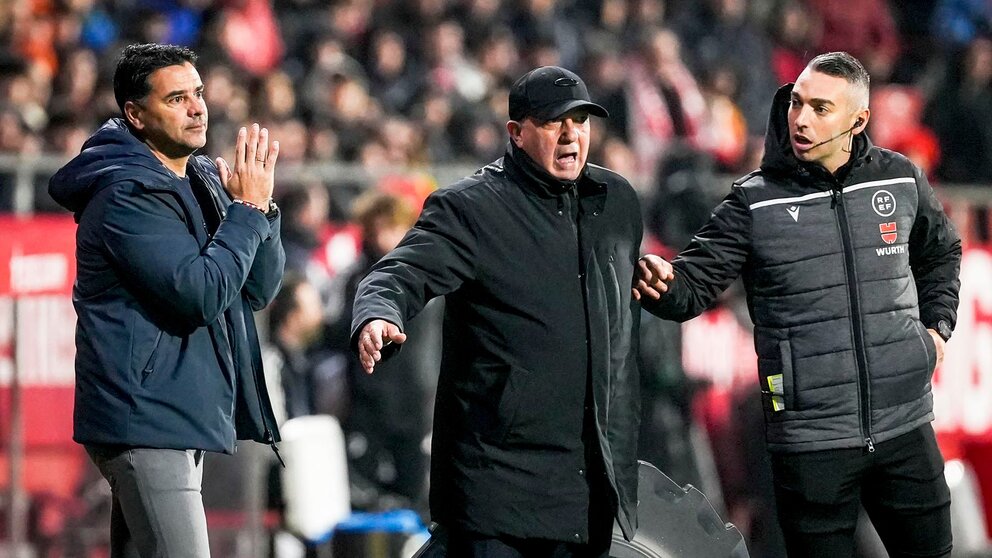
point(814, 101)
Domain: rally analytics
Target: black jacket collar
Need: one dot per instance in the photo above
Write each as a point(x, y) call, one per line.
point(519, 165)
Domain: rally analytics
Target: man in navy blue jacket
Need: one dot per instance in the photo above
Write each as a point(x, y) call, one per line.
point(174, 253)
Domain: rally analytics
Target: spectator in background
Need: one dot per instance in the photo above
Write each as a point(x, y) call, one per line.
point(956, 23)
point(448, 67)
point(643, 17)
point(230, 105)
point(533, 254)
point(607, 83)
point(666, 105)
point(275, 98)
point(723, 39)
point(499, 57)
point(539, 22)
point(725, 130)
point(389, 416)
point(435, 111)
point(295, 321)
point(864, 28)
point(74, 90)
point(484, 17)
point(394, 80)
point(328, 60)
point(960, 114)
point(896, 124)
point(306, 209)
point(795, 33)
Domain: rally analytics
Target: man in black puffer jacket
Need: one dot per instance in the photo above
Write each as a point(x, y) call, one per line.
point(536, 420)
point(851, 271)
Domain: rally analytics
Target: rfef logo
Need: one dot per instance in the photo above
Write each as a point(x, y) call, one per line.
point(883, 202)
point(889, 232)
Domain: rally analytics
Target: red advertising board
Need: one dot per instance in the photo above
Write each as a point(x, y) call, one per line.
point(37, 269)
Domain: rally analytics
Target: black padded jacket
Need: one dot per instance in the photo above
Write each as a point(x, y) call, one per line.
point(844, 273)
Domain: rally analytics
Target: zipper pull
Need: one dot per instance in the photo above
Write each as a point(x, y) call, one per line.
point(834, 195)
point(868, 442)
point(275, 450)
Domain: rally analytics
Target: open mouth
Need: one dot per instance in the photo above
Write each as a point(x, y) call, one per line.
point(566, 159)
point(801, 142)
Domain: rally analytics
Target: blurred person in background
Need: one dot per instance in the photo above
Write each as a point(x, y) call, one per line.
point(394, 80)
point(174, 254)
point(794, 33)
point(666, 104)
point(607, 77)
point(866, 29)
point(549, 22)
point(535, 437)
point(851, 271)
point(960, 114)
point(389, 412)
point(295, 321)
point(307, 209)
point(724, 39)
point(448, 66)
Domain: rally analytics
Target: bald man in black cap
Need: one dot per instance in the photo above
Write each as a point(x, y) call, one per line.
point(535, 428)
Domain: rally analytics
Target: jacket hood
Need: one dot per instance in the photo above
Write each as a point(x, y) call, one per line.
point(110, 155)
point(778, 157)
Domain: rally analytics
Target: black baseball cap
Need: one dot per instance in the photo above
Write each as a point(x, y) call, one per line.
point(548, 92)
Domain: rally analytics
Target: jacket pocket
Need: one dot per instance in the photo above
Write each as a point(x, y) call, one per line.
point(149, 366)
point(929, 346)
point(509, 404)
point(778, 389)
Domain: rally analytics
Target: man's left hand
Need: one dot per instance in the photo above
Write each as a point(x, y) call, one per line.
point(938, 342)
point(652, 276)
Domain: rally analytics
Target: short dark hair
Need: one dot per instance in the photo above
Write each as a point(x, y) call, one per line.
point(843, 65)
point(285, 302)
point(137, 62)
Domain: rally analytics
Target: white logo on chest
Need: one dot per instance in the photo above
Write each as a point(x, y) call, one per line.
point(883, 202)
point(794, 212)
point(891, 250)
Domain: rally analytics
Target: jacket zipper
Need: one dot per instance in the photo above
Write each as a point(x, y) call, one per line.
point(267, 433)
point(837, 201)
point(150, 365)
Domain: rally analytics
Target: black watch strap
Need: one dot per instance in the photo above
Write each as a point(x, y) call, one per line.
point(944, 329)
point(273, 210)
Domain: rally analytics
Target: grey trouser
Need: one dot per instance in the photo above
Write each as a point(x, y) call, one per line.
point(157, 508)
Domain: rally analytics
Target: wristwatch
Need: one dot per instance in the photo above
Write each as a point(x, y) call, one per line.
point(944, 329)
point(273, 210)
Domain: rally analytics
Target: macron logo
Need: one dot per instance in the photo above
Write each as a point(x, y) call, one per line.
point(794, 212)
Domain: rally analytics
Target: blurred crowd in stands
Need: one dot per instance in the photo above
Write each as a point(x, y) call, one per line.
point(415, 83)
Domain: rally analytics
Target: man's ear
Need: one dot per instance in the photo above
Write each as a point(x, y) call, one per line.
point(513, 128)
point(861, 121)
point(134, 113)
